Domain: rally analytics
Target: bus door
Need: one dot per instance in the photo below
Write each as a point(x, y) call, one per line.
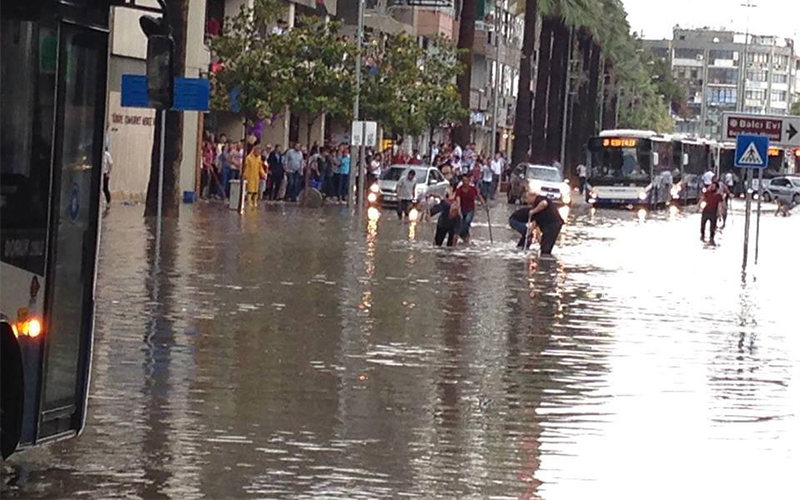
point(73, 229)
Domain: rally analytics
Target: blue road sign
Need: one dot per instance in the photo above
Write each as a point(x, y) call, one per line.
point(191, 94)
point(134, 91)
point(751, 151)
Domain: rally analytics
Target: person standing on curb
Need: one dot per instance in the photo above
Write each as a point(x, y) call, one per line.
point(108, 163)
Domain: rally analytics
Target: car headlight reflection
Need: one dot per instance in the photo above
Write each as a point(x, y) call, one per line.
point(375, 188)
point(372, 197)
point(642, 195)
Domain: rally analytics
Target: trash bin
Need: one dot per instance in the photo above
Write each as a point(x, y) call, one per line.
point(236, 201)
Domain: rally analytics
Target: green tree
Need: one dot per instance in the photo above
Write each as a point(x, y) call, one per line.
point(795, 109)
point(316, 63)
point(408, 89)
point(249, 65)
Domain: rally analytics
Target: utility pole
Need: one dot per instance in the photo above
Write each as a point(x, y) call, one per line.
point(740, 101)
point(497, 72)
point(353, 149)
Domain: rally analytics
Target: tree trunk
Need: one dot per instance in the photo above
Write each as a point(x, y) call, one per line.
point(555, 99)
point(540, 116)
point(522, 115)
point(466, 40)
point(173, 150)
point(579, 107)
point(609, 98)
point(590, 125)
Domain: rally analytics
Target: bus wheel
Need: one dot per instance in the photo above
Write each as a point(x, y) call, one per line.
point(12, 395)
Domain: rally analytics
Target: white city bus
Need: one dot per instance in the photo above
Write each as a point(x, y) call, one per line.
point(54, 55)
point(630, 168)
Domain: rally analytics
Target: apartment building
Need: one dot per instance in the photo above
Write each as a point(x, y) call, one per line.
point(728, 71)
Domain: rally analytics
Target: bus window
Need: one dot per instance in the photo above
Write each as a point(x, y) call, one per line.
point(26, 123)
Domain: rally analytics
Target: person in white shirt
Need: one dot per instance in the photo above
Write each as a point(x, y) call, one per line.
point(457, 153)
point(497, 171)
point(582, 172)
point(487, 176)
point(108, 163)
point(708, 177)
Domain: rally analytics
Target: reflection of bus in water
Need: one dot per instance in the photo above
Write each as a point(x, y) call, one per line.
point(52, 126)
point(630, 167)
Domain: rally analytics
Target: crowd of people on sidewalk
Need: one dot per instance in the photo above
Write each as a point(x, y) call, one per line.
point(271, 172)
point(277, 174)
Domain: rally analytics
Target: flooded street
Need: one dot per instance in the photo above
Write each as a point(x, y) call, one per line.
point(287, 354)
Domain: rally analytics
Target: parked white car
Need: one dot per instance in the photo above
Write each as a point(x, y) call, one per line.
point(429, 182)
point(783, 188)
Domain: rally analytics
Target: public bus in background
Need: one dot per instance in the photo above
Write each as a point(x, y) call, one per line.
point(630, 168)
point(782, 161)
point(52, 128)
point(692, 158)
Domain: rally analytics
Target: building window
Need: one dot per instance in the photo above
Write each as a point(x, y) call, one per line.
point(757, 58)
point(753, 109)
point(780, 78)
point(721, 96)
point(757, 75)
point(688, 53)
point(778, 95)
point(756, 94)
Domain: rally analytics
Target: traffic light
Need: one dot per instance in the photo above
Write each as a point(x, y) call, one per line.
point(160, 77)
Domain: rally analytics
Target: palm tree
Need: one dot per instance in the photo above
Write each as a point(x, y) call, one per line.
point(466, 40)
point(522, 118)
point(562, 48)
point(540, 115)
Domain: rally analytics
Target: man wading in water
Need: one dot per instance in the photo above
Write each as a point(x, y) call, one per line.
point(539, 212)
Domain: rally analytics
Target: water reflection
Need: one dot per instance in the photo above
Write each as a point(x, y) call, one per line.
point(299, 357)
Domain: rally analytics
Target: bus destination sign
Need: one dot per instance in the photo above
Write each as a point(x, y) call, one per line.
point(619, 142)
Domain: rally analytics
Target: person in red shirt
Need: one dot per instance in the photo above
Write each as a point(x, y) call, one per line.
point(711, 200)
point(467, 193)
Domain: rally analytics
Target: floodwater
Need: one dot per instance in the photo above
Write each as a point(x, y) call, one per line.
point(287, 354)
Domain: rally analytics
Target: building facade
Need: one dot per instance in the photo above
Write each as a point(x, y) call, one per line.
point(728, 71)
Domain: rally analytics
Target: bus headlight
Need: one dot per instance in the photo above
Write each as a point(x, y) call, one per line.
point(373, 213)
point(642, 195)
point(372, 197)
point(31, 328)
point(374, 188)
point(413, 214)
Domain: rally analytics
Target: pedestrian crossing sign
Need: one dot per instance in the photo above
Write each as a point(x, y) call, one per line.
point(751, 151)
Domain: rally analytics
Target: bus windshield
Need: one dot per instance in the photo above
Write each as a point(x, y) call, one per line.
point(619, 164)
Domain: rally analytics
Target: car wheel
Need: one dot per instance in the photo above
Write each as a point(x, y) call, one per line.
point(510, 197)
point(767, 196)
point(796, 199)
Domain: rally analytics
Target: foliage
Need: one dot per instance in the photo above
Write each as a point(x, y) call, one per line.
point(317, 64)
point(409, 89)
point(248, 65)
point(795, 108)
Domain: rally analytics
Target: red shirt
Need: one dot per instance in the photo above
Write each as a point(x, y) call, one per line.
point(467, 194)
point(713, 198)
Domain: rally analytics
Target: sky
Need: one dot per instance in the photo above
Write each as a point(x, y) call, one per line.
point(656, 18)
